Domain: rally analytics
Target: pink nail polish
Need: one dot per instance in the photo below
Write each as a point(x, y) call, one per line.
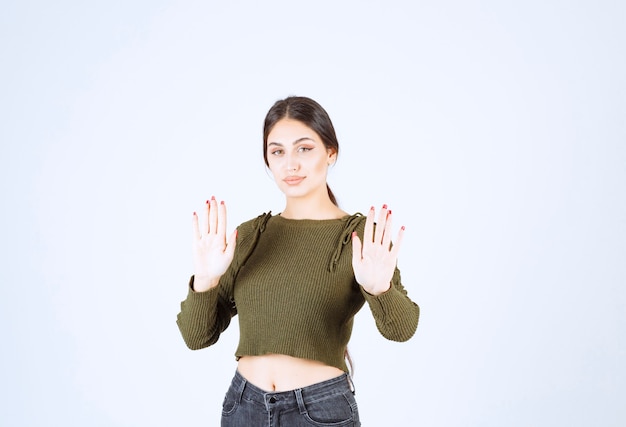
point(389, 212)
point(385, 206)
point(212, 198)
point(354, 234)
point(222, 202)
point(402, 228)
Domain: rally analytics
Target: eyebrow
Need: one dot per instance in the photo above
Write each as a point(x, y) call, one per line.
point(304, 138)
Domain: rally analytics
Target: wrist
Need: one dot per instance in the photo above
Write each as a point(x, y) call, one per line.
point(378, 290)
point(204, 283)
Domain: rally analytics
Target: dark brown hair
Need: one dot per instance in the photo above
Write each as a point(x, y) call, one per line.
point(309, 113)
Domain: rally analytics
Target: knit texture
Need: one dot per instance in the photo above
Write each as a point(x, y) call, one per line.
point(292, 284)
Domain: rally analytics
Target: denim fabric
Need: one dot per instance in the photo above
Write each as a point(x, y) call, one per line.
point(329, 403)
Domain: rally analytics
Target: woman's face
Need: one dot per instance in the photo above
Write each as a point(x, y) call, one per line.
point(298, 159)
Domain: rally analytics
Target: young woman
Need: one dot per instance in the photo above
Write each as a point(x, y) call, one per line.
point(296, 281)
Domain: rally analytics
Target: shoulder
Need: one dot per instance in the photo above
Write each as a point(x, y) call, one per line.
point(355, 222)
point(252, 226)
point(247, 237)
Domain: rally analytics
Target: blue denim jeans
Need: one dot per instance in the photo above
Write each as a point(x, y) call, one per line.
point(329, 403)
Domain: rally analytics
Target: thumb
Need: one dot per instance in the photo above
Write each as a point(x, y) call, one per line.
point(230, 244)
point(356, 248)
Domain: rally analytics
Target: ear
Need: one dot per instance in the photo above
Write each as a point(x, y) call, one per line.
point(332, 156)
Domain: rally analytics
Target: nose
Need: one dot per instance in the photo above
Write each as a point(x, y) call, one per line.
point(292, 164)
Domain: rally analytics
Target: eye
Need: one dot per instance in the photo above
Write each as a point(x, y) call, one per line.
point(276, 152)
point(304, 149)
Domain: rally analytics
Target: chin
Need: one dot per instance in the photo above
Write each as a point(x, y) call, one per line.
point(294, 194)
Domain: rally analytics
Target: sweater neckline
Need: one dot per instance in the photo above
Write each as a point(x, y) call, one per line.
point(308, 221)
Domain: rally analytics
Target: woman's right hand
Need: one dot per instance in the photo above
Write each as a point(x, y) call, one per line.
point(212, 254)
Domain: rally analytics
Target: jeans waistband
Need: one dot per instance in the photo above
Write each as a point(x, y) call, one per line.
point(292, 398)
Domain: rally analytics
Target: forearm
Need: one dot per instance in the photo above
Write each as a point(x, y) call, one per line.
point(202, 318)
point(395, 314)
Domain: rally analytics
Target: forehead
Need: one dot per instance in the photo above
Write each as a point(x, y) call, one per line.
point(289, 131)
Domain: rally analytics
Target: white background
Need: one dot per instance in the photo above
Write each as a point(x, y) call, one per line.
point(495, 131)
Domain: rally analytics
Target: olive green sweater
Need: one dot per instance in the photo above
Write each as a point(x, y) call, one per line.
point(292, 284)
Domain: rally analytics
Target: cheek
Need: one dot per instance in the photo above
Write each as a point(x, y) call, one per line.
point(322, 166)
point(274, 167)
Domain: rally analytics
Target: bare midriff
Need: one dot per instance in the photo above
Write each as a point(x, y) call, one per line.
point(278, 372)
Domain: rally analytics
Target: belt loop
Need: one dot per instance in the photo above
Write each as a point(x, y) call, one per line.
point(300, 400)
point(241, 388)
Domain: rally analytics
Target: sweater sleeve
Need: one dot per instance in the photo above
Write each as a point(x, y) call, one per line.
point(395, 314)
point(205, 315)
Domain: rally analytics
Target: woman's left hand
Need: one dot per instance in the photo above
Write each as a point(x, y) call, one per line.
point(374, 261)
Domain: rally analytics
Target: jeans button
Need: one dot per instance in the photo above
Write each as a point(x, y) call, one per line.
point(272, 399)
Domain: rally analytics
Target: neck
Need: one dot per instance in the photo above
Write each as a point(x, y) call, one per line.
point(318, 208)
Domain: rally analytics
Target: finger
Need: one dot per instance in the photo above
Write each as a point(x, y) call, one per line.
point(396, 245)
point(221, 219)
point(213, 215)
point(205, 219)
point(196, 228)
point(368, 233)
point(386, 241)
point(232, 242)
point(356, 248)
point(380, 226)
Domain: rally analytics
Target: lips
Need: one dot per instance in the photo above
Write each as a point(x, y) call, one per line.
point(293, 180)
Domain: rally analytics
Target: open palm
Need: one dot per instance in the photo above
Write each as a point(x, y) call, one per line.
point(374, 260)
point(212, 253)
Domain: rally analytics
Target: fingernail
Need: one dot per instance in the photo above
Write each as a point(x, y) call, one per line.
point(207, 202)
point(354, 234)
point(212, 197)
point(222, 202)
point(385, 206)
point(194, 214)
point(372, 208)
point(402, 228)
point(389, 212)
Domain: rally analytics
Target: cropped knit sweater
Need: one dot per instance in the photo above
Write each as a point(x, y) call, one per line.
point(292, 284)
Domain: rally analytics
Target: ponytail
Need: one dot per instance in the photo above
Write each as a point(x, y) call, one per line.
point(350, 363)
point(331, 195)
